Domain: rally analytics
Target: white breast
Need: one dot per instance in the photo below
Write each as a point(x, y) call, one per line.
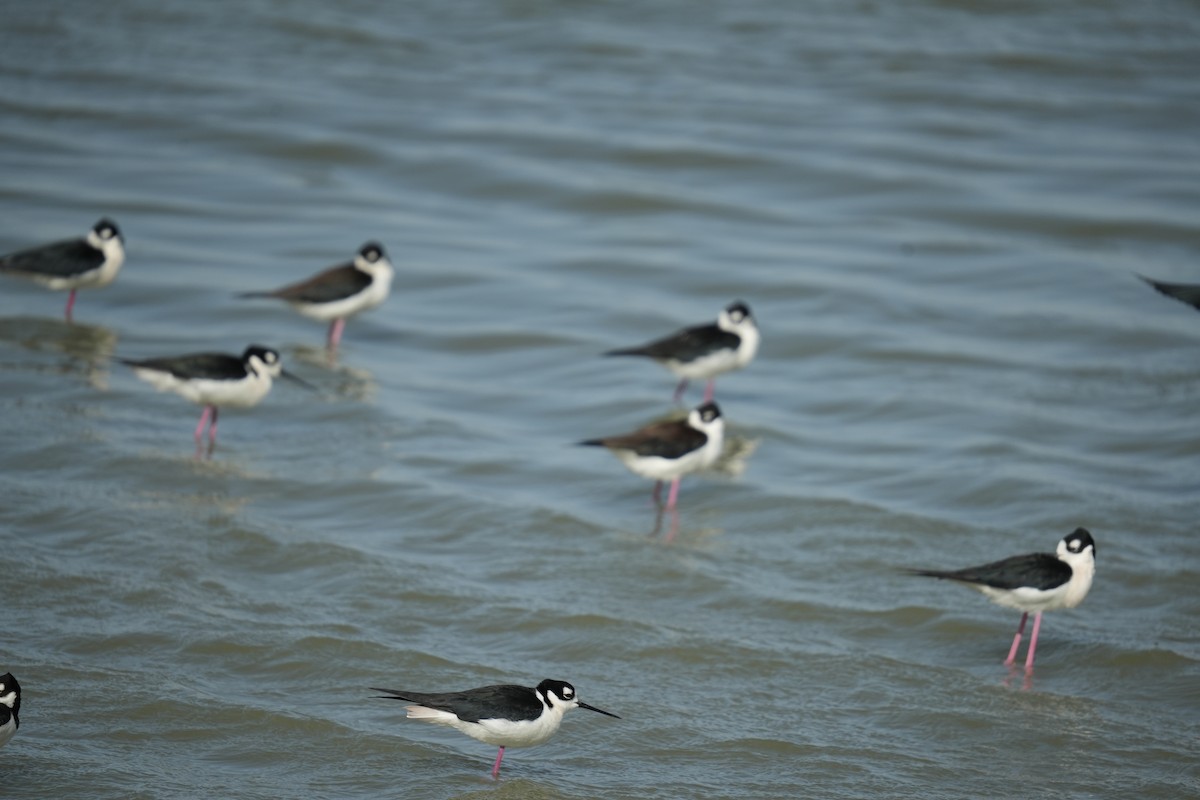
point(243, 393)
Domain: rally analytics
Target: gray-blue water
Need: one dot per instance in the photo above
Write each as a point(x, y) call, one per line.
point(937, 211)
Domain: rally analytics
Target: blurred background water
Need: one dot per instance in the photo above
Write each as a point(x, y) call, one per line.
point(937, 211)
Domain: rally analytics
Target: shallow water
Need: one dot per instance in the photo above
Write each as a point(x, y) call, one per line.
point(937, 211)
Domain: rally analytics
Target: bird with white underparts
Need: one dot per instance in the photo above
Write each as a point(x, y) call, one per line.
point(504, 715)
point(1035, 582)
point(340, 292)
point(666, 451)
point(215, 381)
point(10, 707)
point(703, 352)
point(86, 262)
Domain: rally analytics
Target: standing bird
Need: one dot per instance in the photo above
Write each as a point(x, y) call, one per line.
point(704, 351)
point(340, 292)
point(506, 715)
point(669, 450)
point(88, 262)
point(1183, 292)
point(214, 380)
point(10, 707)
point(1035, 582)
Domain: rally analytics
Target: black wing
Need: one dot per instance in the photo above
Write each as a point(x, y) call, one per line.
point(213, 366)
point(336, 283)
point(686, 345)
point(1184, 292)
point(64, 259)
point(1035, 571)
point(488, 702)
point(666, 439)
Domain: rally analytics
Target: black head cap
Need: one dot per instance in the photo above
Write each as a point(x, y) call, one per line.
point(371, 252)
point(737, 310)
point(265, 354)
point(1079, 540)
point(709, 411)
point(560, 689)
point(106, 229)
point(9, 684)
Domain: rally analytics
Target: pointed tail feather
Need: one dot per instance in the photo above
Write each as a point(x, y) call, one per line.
point(1184, 292)
point(628, 351)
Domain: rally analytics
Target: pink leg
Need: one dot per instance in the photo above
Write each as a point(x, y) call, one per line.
point(680, 389)
point(203, 422)
point(335, 332)
point(1012, 653)
point(70, 304)
point(496, 766)
point(1037, 624)
point(708, 390)
point(673, 495)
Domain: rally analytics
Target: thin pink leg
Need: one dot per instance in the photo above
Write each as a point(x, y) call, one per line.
point(680, 389)
point(673, 495)
point(496, 766)
point(1012, 653)
point(203, 421)
point(1037, 624)
point(335, 332)
point(70, 304)
point(708, 390)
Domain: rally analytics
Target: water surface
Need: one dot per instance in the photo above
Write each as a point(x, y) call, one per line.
point(937, 211)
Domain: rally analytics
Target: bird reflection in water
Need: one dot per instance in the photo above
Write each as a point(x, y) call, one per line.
point(732, 463)
point(86, 350)
point(352, 383)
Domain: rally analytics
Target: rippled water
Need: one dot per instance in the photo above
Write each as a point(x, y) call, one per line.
point(937, 211)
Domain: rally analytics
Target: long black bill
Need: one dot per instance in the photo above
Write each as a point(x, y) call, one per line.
point(598, 710)
point(291, 376)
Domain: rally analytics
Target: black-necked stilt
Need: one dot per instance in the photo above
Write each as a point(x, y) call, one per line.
point(1035, 582)
point(704, 351)
point(1183, 292)
point(88, 262)
point(340, 292)
point(506, 715)
point(10, 707)
point(669, 450)
point(214, 380)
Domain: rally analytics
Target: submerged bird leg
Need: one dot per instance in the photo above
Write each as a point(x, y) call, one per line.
point(657, 494)
point(1012, 653)
point(679, 390)
point(709, 389)
point(203, 422)
point(70, 304)
point(335, 332)
point(673, 528)
point(212, 429)
point(673, 495)
point(1037, 624)
point(496, 766)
